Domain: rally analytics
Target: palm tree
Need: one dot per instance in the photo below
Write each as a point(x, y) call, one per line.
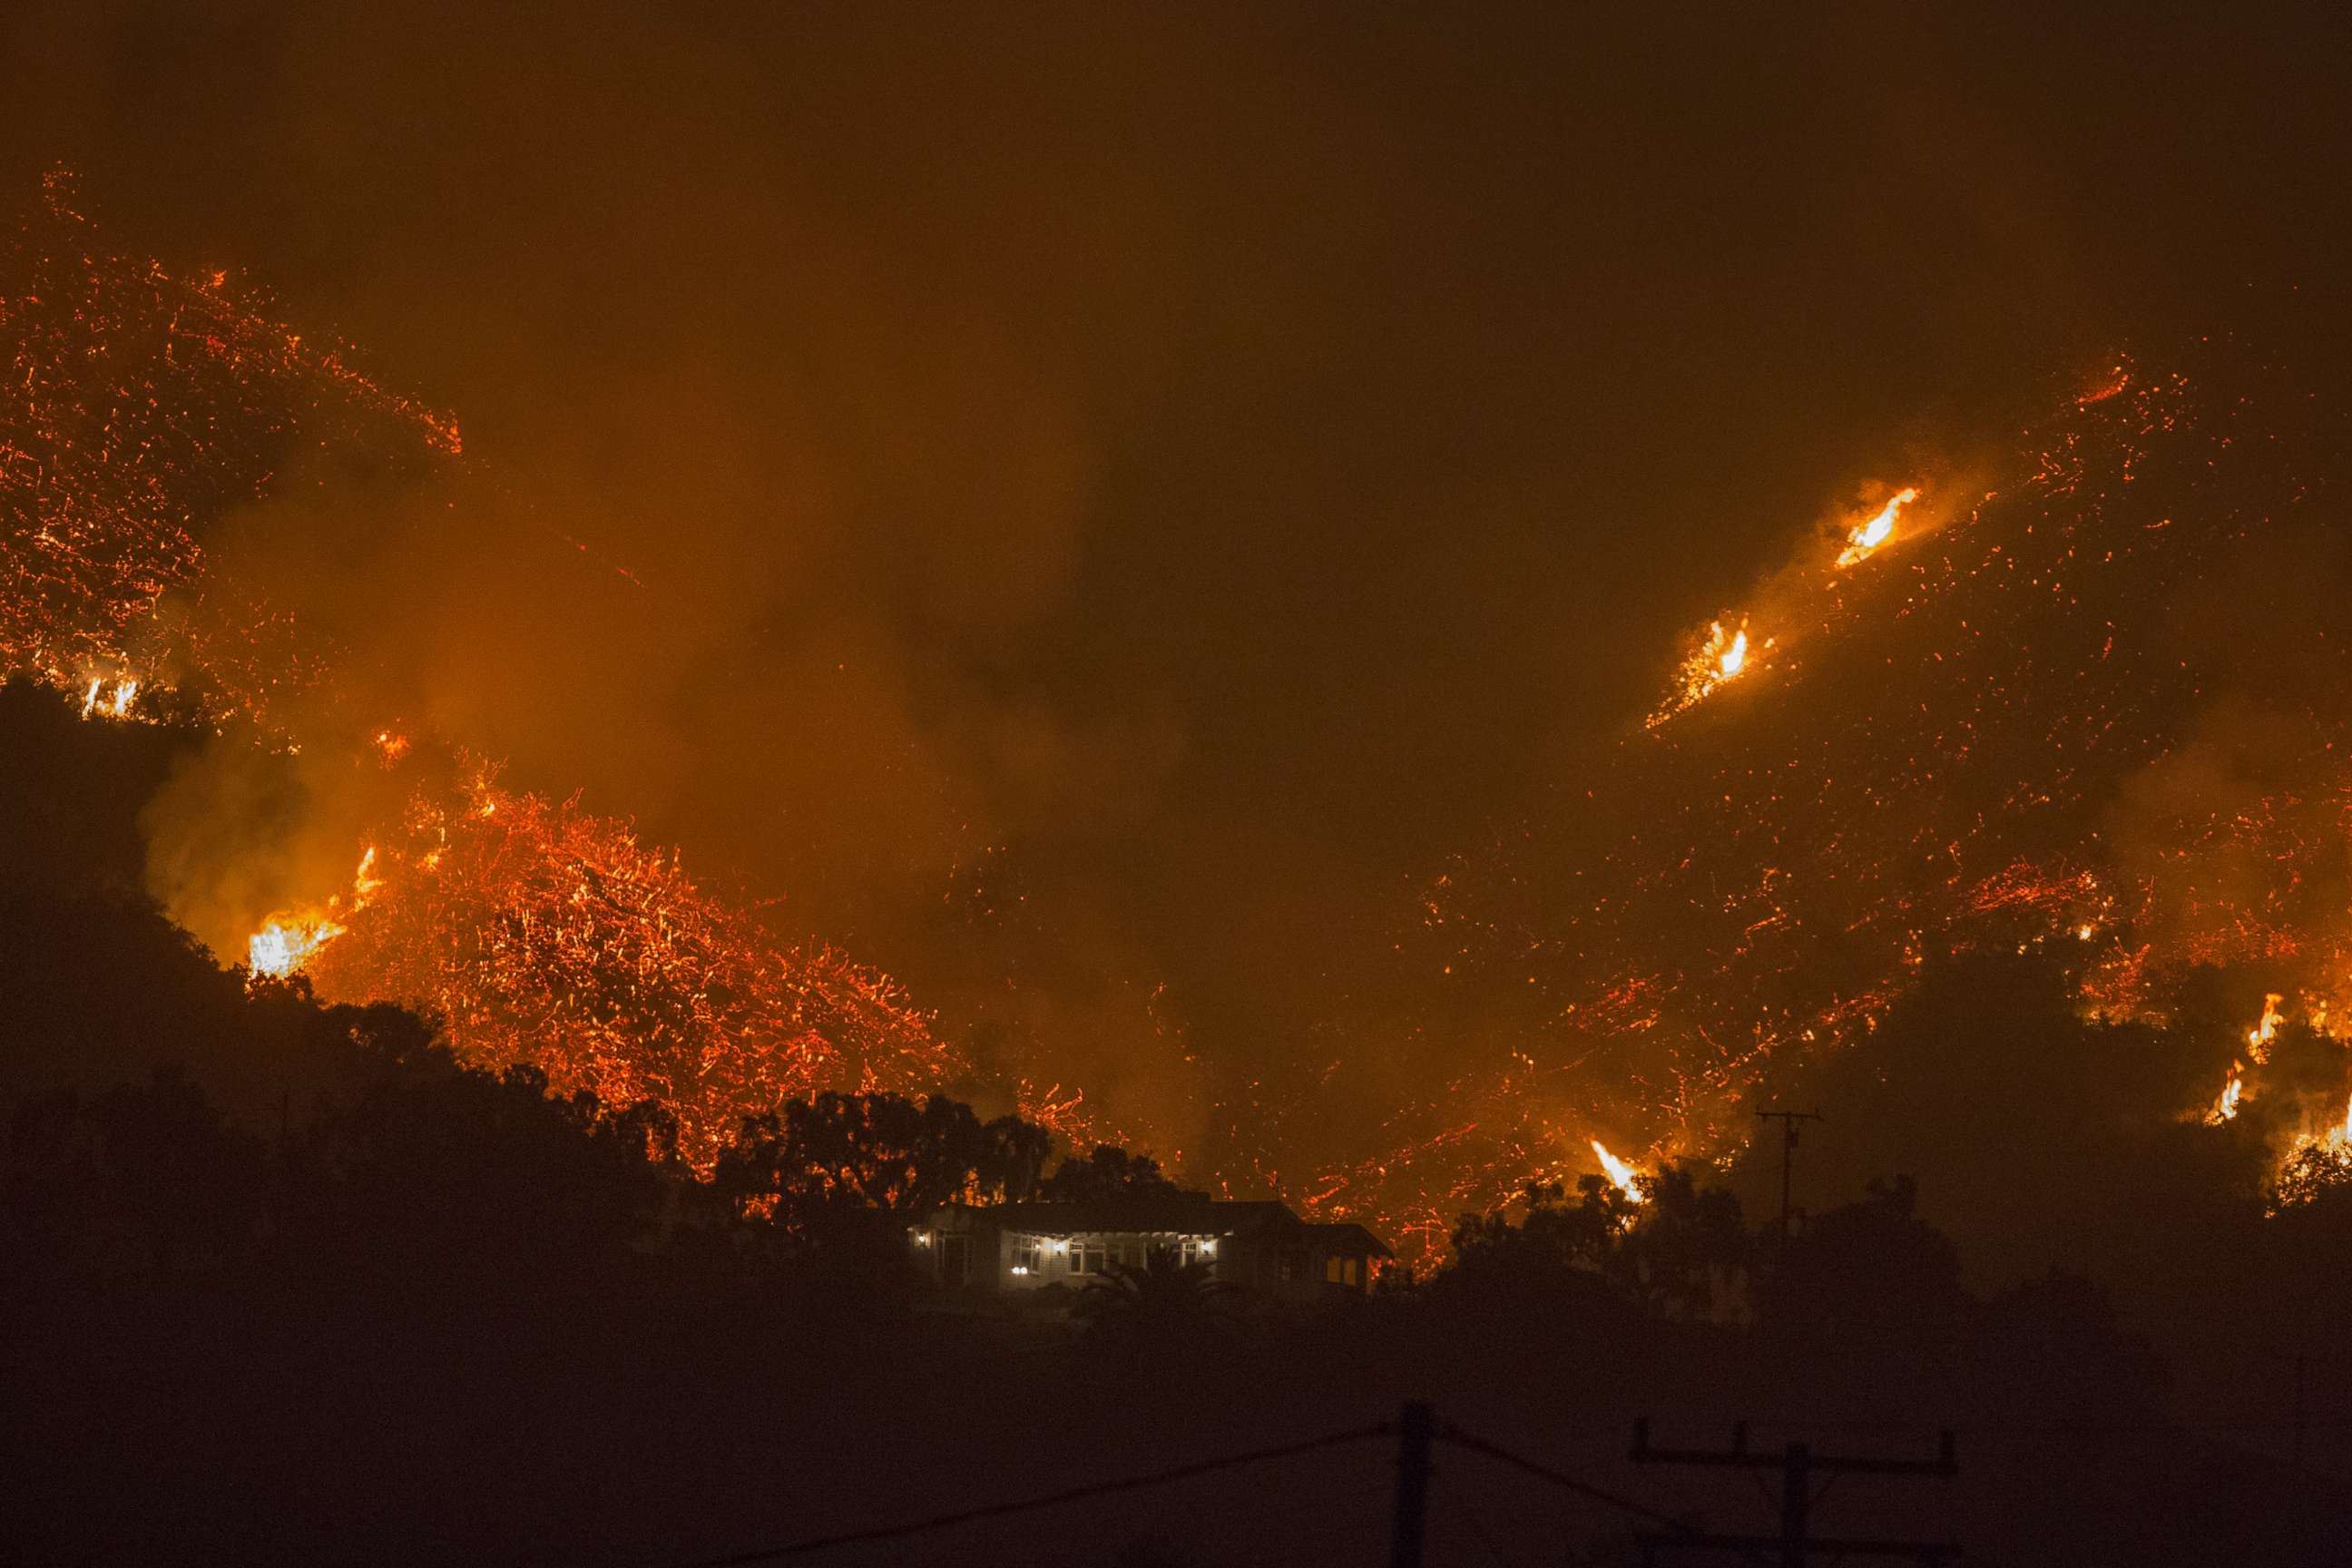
point(1166, 1295)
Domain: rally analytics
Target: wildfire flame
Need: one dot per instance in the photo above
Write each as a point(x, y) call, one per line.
point(2258, 1039)
point(1865, 540)
point(1723, 656)
point(286, 943)
point(289, 939)
point(2226, 1106)
point(94, 704)
point(1621, 1175)
point(1735, 657)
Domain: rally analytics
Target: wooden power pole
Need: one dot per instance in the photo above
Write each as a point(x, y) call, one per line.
point(1788, 1120)
point(1798, 1464)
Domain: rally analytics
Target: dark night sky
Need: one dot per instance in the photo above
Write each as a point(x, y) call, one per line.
point(1233, 457)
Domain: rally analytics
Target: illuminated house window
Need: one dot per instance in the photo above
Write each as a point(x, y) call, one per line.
point(1258, 1245)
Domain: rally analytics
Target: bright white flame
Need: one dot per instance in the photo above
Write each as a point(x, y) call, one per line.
point(1864, 541)
point(1621, 1175)
point(95, 703)
point(285, 943)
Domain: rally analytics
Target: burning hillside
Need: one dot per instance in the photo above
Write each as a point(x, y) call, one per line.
point(2002, 708)
point(142, 408)
point(2037, 725)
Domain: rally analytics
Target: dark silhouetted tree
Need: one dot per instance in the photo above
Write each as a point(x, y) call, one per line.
point(1162, 1299)
point(1107, 1174)
point(843, 1174)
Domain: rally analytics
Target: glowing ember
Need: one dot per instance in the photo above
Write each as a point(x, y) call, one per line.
point(1866, 539)
point(1621, 1175)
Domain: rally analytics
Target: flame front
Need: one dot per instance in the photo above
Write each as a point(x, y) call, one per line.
point(286, 943)
point(1723, 656)
point(2258, 1039)
point(290, 938)
point(1735, 657)
point(2226, 1106)
point(1621, 1175)
point(96, 704)
point(1865, 540)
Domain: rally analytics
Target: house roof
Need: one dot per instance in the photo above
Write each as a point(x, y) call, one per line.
point(1182, 1213)
point(1349, 1237)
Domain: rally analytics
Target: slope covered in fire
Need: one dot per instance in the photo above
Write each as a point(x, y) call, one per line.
point(141, 410)
point(2088, 696)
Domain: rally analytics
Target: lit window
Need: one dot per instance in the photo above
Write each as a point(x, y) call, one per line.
point(1088, 1258)
point(1331, 1270)
point(1024, 1254)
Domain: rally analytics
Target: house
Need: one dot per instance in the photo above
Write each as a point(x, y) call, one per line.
point(1262, 1247)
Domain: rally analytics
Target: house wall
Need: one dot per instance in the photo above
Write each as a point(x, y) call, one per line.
point(1300, 1271)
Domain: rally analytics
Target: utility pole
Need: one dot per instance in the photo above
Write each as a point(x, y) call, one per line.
point(1797, 1464)
point(1788, 1120)
point(1414, 1424)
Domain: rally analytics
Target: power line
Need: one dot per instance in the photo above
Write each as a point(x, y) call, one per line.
point(1798, 1464)
point(1049, 1499)
point(1454, 1434)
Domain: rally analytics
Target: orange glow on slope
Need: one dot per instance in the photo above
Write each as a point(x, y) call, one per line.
point(539, 933)
point(1866, 539)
